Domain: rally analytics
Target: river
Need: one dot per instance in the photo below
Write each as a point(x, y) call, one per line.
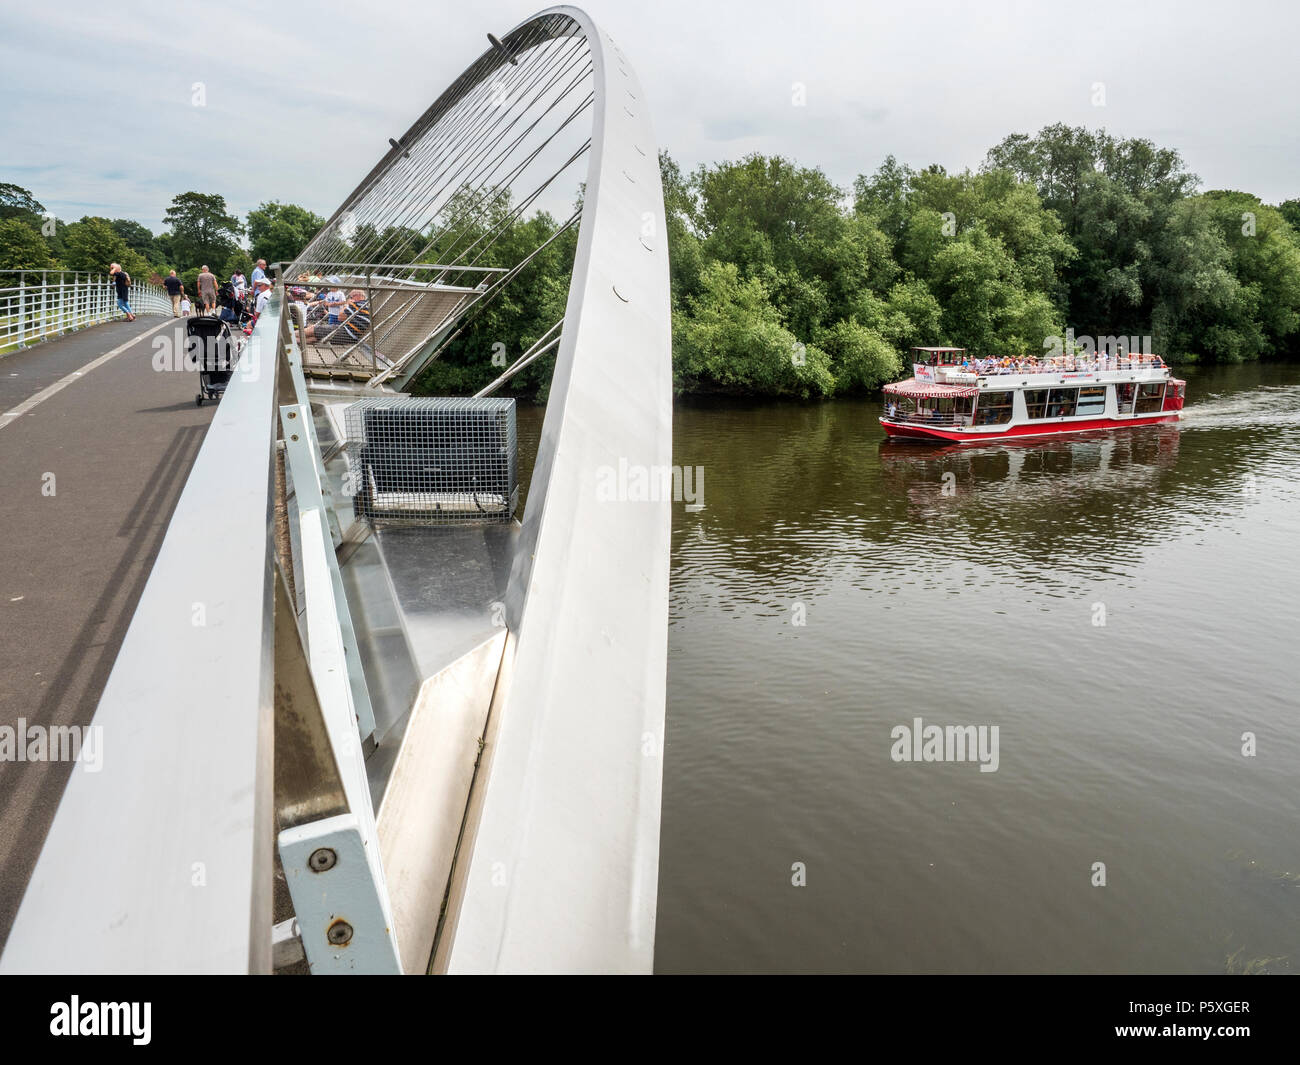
point(1123, 608)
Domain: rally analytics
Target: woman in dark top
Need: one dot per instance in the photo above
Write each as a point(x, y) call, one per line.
point(122, 282)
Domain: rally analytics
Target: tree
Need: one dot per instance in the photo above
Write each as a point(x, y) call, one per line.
point(239, 262)
point(908, 316)
point(18, 202)
point(1114, 198)
point(981, 258)
point(769, 212)
point(1228, 286)
point(92, 244)
point(733, 341)
point(860, 357)
point(1195, 295)
point(1008, 209)
point(883, 196)
point(1290, 210)
point(278, 232)
point(984, 306)
point(138, 238)
point(22, 247)
point(202, 233)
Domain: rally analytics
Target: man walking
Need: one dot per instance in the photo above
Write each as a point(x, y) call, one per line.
point(175, 290)
point(207, 290)
point(259, 272)
point(122, 283)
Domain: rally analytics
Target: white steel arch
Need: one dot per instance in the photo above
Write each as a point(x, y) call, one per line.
point(558, 861)
point(571, 815)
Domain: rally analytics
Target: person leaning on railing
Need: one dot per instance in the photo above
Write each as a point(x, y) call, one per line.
point(122, 283)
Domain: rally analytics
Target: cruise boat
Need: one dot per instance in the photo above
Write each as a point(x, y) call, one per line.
point(952, 398)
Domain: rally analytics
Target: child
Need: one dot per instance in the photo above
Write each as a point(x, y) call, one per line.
point(334, 302)
point(185, 306)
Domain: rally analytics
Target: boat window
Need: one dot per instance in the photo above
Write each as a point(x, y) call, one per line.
point(1036, 402)
point(994, 408)
point(1060, 404)
point(1091, 401)
point(1150, 398)
point(1124, 394)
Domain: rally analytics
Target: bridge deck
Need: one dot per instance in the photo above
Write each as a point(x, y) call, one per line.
point(119, 441)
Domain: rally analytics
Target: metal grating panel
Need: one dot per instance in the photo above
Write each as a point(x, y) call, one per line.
point(432, 461)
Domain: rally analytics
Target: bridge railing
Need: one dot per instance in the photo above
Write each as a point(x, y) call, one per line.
point(36, 305)
point(225, 728)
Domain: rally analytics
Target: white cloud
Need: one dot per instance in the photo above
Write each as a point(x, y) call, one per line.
point(300, 103)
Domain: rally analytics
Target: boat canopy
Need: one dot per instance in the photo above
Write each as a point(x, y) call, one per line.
point(929, 390)
point(937, 356)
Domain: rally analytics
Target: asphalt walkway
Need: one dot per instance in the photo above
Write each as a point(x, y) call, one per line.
point(92, 462)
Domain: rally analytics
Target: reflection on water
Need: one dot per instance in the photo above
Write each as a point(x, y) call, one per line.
point(1122, 606)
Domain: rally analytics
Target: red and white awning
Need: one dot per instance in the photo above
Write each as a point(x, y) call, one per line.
point(929, 390)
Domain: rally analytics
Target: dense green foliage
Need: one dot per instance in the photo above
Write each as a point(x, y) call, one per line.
point(21, 247)
point(1207, 276)
point(1068, 229)
point(784, 284)
point(279, 231)
point(202, 232)
point(771, 259)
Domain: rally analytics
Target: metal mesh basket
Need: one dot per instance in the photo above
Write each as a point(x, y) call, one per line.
point(432, 461)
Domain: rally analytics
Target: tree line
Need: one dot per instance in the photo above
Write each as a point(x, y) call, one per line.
point(201, 232)
point(1068, 229)
point(785, 284)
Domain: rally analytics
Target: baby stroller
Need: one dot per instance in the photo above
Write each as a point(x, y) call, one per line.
point(210, 342)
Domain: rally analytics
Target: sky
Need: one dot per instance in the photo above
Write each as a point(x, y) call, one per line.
point(114, 109)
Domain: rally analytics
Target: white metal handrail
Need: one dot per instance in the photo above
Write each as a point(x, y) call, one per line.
point(36, 305)
point(914, 417)
point(1066, 364)
point(187, 714)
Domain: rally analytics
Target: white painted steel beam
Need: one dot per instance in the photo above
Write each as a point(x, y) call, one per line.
point(559, 869)
point(161, 862)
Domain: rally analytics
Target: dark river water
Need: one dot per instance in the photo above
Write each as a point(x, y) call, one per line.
point(969, 587)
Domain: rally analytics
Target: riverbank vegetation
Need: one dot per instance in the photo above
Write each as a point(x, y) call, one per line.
point(785, 284)
point(1067, 230)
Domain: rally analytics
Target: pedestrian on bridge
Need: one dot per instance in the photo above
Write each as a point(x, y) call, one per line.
point(175, 290)
point(259, 272)
point(122, 282)
point(207, 290)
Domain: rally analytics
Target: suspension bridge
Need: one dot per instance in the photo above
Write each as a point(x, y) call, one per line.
point(355, 692)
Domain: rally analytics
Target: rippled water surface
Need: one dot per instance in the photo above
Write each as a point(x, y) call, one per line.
point(965, 587)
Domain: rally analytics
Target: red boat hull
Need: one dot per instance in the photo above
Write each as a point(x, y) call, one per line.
point(936, 435)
